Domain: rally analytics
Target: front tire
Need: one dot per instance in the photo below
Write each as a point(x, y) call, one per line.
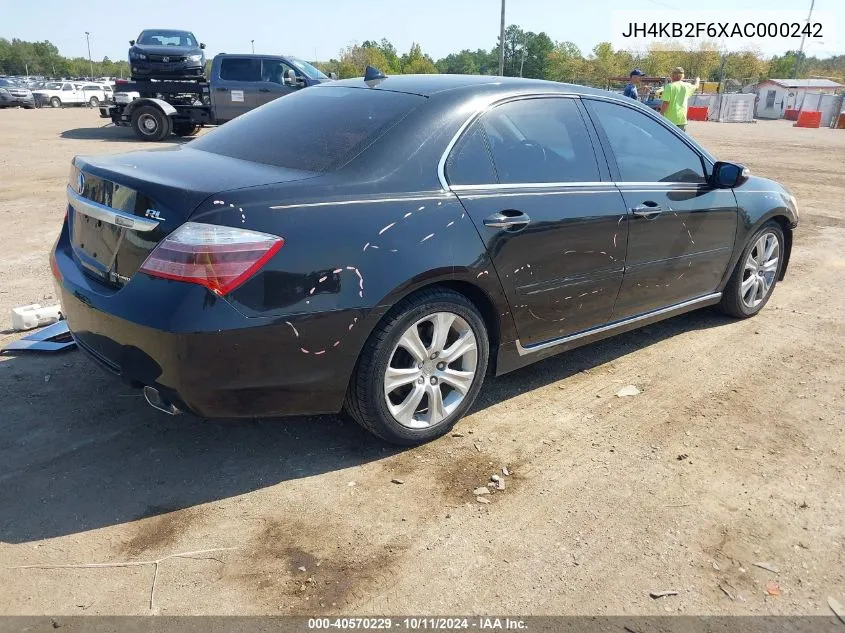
point(151, 124)
point(55, 102)
point(421, 369)
point(756, 274)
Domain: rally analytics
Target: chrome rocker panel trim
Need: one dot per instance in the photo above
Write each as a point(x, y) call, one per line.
point(610, 328)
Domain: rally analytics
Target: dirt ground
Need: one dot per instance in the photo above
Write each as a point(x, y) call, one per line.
point(733, 454)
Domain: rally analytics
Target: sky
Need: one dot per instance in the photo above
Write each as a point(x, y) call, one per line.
point(318, 29)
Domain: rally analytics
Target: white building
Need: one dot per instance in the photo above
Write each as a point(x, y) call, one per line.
point(775, 96)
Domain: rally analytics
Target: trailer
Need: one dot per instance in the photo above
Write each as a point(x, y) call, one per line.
point(157, 108)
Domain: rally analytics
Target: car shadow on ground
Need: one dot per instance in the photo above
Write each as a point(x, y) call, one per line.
point(113, 133)
point(80, 451)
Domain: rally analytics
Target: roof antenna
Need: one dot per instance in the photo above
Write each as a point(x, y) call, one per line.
point(373, 76)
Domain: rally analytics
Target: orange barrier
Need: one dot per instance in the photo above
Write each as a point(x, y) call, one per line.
point(840, 124)
point(809, 118)
point(791, 114)
point(697, 113)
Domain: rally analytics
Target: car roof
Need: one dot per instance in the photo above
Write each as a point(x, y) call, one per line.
point(428, 85)
point(167, 31)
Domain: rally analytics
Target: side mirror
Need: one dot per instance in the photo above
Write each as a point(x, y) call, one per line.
point(290, 78)
point(131, 42)
point(728, 175)
point(332, 75)
point(202, 45)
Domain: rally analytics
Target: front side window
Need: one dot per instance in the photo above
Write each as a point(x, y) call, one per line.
point(67, 87)
point(240, 69)
point(540, 141)
point(645, 150)
point(308, 70)
point(273, 71)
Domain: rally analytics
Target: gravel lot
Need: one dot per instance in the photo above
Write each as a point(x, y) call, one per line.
point(733, 454)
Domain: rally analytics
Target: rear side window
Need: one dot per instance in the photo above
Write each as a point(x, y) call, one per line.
point(469, 163)
point(540, 141)
point(314, 129)
point(645, 151)
point(240, 69)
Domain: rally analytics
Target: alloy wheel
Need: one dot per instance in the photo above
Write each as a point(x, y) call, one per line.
point(760, 269)
point(431, 370)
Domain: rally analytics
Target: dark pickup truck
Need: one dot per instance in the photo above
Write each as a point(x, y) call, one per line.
point(237, 84)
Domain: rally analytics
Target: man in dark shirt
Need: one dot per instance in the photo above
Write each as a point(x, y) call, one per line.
point(631, 88)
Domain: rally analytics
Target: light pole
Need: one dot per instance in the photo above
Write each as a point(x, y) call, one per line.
point(502, 43)
point(522, 63)
point(90, 61)
point(803, 37)
point(253, 46)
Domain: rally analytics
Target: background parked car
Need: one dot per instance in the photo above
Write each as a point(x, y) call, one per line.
point(62, 93)
point(13, 95)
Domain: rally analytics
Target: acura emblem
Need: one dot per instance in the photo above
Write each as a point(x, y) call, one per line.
point(165, 59)
point(80, 184)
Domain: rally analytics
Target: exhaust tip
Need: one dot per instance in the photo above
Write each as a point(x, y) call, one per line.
point(154, 399)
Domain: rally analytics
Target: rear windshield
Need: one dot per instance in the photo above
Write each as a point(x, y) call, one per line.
point(315, 129)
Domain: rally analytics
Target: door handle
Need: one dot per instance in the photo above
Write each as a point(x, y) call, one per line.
point(221, 89)
point(647, 210)
point(263, 90)
point(507, 220)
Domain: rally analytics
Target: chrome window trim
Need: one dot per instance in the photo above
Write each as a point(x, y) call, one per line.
point(707, 299)
point(531, 185)
point(625, 185)
point(107, 214)
point(441, 165)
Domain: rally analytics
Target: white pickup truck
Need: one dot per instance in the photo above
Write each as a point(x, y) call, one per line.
point(62, 93)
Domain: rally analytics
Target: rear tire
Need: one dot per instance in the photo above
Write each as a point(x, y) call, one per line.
point(55, 102)
point(422, 404)
point(756, 274)
point(151, 124)
point(184, 128)
point(94, 102)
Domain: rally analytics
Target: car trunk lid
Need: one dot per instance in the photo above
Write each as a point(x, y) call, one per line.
point(120, 207)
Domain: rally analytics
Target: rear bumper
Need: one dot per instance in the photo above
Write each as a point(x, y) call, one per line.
point(199, 351)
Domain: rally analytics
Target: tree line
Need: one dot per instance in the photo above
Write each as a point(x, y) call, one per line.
point(536, 55)
point(18, 57)
point(527, 54)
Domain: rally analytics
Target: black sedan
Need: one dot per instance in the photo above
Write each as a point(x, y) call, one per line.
point(381, 246)
point(166, 54)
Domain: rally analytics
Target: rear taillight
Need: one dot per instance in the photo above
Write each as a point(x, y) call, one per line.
point(217, 257)
point(54, 266)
